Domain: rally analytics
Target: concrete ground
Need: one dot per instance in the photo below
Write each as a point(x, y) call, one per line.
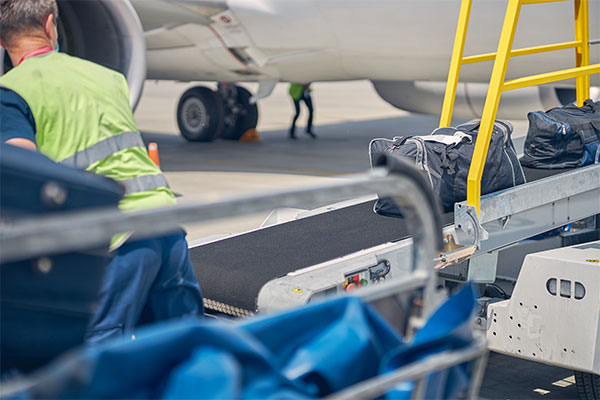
point(347, 116)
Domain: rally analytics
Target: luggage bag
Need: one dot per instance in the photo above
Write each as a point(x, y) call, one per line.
point(563, 137)
point(45, 302)
point(445, 157)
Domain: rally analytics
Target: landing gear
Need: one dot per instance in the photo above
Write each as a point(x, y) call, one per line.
point(200, 114)
point(240, 115)
point(204, 114)
point(588, 385)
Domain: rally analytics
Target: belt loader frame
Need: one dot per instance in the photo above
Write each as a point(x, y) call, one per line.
point(507, 217)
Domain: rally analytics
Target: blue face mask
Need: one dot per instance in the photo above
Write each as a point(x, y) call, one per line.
point(57, 49)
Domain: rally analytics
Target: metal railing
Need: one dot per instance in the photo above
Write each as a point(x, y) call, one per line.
point(79, 230)
point(419, 371)
point(497, 84)
point(74, 231)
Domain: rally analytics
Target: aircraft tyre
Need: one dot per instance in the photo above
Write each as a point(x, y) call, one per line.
point(240, 115)
point(200, 114)
point(588, 385)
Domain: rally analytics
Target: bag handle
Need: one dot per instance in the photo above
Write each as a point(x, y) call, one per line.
point(400, 140)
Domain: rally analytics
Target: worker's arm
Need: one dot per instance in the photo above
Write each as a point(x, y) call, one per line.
point(24, 143)
point(17, 125)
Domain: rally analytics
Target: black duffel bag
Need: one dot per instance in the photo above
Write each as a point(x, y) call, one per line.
point(563, 137)
point(445, 157)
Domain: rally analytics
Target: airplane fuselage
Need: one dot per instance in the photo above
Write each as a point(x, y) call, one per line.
point(316, 40)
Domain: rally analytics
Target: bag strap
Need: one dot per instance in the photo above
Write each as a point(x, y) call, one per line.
point(448, 140)
point(421, 158)
point(594, 106)
point(400, 140)
point(596, 127)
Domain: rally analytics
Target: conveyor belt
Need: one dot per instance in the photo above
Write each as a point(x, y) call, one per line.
point(232, 271)
point(533, 174)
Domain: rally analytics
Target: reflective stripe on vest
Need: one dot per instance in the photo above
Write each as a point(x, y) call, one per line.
point(144, 183)
point(105, 148)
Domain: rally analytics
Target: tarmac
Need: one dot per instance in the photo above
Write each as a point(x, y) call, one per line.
point(347, 116)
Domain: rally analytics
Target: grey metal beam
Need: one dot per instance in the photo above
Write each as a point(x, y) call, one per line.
point(541, 192)
point(83, 230)
point(518, 213)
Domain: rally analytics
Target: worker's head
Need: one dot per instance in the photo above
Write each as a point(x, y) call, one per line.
point(28, 20)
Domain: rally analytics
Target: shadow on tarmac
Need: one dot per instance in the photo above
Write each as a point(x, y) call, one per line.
point(341, 148)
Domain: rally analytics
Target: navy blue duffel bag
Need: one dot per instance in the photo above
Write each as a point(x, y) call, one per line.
point(445, 156)
point(563, 137)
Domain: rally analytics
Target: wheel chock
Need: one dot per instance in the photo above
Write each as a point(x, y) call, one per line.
point(251, 135)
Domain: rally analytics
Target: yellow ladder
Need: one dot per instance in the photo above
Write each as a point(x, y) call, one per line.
point(497, 85)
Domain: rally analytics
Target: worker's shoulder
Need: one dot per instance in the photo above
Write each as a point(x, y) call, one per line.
point(57, 64)
point(89, 65)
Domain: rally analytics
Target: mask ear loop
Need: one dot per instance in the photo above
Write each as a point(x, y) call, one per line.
point(57, 48)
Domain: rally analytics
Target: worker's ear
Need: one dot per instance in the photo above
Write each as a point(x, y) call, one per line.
point(2, 44)
point(50, 26)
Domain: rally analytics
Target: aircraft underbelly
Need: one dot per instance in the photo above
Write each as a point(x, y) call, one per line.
point(316, 40)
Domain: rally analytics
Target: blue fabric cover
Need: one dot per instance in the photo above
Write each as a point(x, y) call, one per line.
point(304, 353)
point(449, 328)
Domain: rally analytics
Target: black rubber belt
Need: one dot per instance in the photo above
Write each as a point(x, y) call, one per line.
point(232, 271)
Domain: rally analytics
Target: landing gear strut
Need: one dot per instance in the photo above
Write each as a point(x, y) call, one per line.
point(240, 115)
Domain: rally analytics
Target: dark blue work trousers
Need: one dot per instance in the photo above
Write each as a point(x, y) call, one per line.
point(308, 102)
point(153, 274)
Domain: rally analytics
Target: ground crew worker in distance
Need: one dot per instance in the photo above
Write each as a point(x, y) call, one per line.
point(299, 93)
point(78, 113)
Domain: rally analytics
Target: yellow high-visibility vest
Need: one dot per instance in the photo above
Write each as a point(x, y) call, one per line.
point(83, 119)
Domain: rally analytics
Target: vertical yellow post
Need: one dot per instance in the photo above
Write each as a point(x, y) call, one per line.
point(491, 103)
point(455, 62)
point(582, 52)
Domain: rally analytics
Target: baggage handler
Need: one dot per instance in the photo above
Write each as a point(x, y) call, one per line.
point(78, 113)
point(299, 93)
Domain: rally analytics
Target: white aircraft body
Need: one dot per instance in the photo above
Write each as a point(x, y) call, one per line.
point(402, 46)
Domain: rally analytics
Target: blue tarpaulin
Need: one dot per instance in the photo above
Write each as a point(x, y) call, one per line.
point(308, 352)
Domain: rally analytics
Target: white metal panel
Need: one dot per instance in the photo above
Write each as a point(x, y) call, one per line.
point(296, 24)
point(557, 329)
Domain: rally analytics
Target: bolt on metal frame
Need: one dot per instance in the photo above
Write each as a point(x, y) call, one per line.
point(497, 84)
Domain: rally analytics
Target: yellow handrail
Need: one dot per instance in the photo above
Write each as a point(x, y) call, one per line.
point(498, 84)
